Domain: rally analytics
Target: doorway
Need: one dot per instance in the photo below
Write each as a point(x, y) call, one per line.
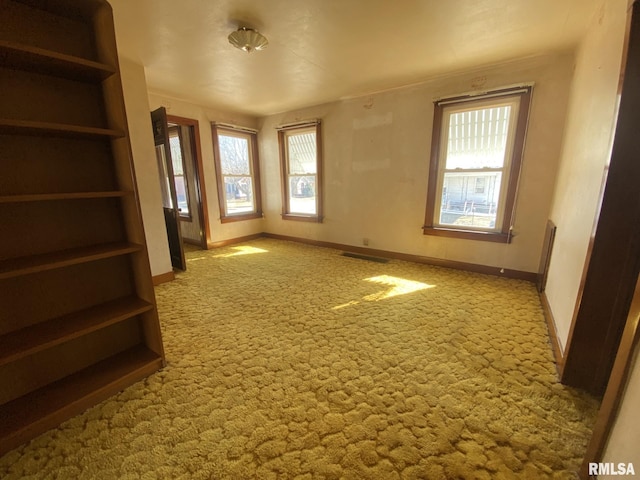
point(184, 141)
point(167, 187)
point(179, 158)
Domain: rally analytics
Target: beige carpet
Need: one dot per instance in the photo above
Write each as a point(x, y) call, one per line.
point(292, 362)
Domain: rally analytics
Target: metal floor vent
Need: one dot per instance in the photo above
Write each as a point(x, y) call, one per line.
point(365, 257)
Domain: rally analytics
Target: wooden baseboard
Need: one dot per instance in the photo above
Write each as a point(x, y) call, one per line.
point(470, 267)
point(190, 241)
point(553, 333)
point(231, 241)
point(163, 278)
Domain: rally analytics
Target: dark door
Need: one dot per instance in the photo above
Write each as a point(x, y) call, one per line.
point(168, 187)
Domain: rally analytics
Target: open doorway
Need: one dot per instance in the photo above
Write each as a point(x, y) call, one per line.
point(184, 141)
point(178, 153)
point(168, 192)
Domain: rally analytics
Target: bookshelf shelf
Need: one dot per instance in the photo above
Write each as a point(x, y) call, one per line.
point(78, 319)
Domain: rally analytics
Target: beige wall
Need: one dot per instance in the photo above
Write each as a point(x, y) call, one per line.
point(585, 154)
point(137, 107)
point(376, 158)
point(205, 116)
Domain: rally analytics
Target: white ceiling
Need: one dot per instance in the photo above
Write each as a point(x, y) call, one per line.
point(324, 50)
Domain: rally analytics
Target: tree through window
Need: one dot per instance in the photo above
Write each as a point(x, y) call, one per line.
point(236, 160)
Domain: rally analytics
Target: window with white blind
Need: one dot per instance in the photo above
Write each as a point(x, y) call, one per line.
point(475, 164)
point(301, 164)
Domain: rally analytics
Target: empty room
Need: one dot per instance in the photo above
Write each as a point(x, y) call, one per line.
point(322, 239)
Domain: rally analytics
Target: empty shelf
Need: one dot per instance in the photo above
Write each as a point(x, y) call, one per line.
point(36, 412)
point(48, 261)
point(40, 336)
point(34, 59)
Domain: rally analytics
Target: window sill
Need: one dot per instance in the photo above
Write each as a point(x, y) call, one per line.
point(185, 218)
point(238, 218)
point(302, 218)
point(497, 237)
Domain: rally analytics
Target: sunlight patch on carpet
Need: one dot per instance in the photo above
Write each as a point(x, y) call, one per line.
point(242, 250)
point(399, 286)
point(344, 305)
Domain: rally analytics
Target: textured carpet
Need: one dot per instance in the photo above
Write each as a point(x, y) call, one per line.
point(294, 362)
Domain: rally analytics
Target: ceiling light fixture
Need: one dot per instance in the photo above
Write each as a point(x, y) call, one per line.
point(248, 39)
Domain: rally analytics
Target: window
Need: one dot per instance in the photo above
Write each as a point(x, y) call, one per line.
point(237, 173)
point(476, 153)
point(301, 163)
point(179, 178)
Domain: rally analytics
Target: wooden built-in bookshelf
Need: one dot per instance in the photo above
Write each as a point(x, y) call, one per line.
point(78, 319)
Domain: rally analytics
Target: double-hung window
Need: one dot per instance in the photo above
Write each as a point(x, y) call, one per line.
point(476, 153)
point(179, 178)
point(301, 166)
point(237, 173)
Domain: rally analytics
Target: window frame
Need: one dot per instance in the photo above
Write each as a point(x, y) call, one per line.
point(512, 164)
point(254, 165)
point(283, 133)
point(174, 131)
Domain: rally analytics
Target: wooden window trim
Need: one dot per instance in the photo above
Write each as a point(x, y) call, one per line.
point(255, 166)
point(286, 214)
point(505, 235)
point(183, 217)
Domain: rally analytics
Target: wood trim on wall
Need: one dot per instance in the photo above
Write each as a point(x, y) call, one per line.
point(556, 346)
point(283, 172)
point(190, 241)
point(319, 174)
point(163, 278)
point(522, 125)
point(615, 389)
point(434, 161)
point(545, 257)
point(469, 267)
point(231, 241)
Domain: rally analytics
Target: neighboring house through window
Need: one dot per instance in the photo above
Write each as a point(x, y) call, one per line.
point(476, 154)
point(237, 173)
point(301, 166)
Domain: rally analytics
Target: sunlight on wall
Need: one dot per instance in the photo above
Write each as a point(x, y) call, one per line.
point(242, 250)
point(398, 286)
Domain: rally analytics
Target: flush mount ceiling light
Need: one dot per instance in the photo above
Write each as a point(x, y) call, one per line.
point(248, 39)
